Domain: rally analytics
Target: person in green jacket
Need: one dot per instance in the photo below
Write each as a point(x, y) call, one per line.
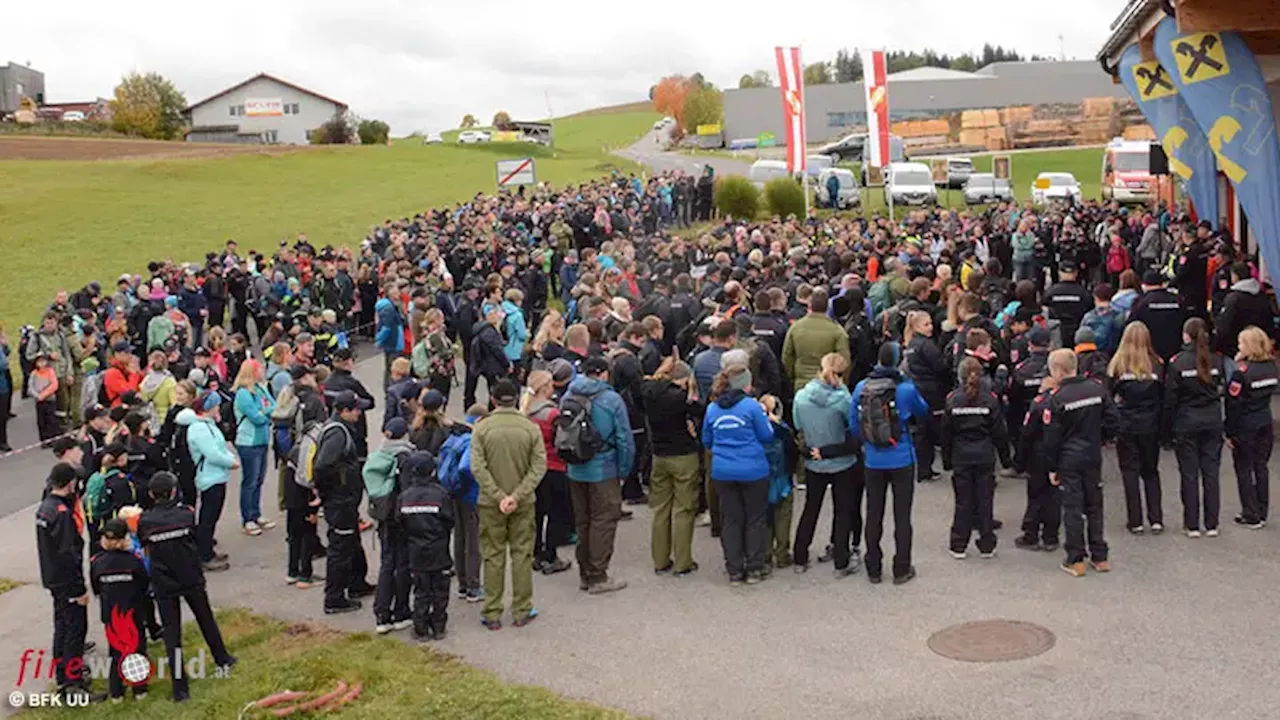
point(508, 460)
point(810, 338)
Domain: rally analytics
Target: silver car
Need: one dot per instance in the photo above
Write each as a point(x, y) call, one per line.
point(987, 188)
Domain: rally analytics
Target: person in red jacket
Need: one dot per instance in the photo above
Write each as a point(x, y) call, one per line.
point(552, 515)
point(123, 375)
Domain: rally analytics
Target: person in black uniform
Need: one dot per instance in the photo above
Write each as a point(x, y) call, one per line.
point(1043, 516)
point(1193, 402)
point(1162, 313)
point(1244, 304)
point(120, 580)
point(1248, 425)
point(1078, 416)
point(1134, 380)
point(932, 376)
point(340, 485)
point(61, 551)
point(1068, 301)
point(973, 432)
point(427, 517)
point(1191, 271)
point(1024, 385)
point(168, 534)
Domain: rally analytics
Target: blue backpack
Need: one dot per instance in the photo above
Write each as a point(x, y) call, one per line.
point(453, 467)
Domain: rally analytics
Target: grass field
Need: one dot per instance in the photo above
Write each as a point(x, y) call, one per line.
point(399, 679)
point(69, 222)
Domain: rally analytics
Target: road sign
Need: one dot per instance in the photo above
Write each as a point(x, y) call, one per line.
point(1001, 167)
point(516, 172)
point(766, 139)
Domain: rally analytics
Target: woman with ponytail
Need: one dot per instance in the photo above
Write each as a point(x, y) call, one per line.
point(931, 373)
point(1249, 431)
point(973, 432)
point(1193, 402)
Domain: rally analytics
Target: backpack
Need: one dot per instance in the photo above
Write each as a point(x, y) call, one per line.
point(576, 439)
point(93, 391)
point(449, 462)
point(303, 461)
point(862, 347)
point(1117, 259)
point(893, 321)
point(878, 421)
point(383, 493)
point(270, 383)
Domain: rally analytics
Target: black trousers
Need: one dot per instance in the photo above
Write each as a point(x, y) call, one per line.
point(187, 487)
point(926, 435)
point(1199, 460)
point(902, 481)
point(47, 419)
point(115, 684)
point(171, 618)
point(553, 515)
point(302, 540)
point(1013, 420)
point(1044, 508)
point(975, 489)
point(430, 601)
point(846, 520)
point(1139, 459)
point(345, 565)
point(391, 601)
point(633, 486)
point(70, 624)
point(745, 532)
point(1082, 516)
point(1250, 454)
point(211, 502)
point(6, 404)
point(443, 383)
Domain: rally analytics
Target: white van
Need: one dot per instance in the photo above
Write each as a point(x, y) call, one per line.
point(909, 183)
point(762, 171)
point(815, 164)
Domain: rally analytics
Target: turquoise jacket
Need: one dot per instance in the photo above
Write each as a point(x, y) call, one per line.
point(821, 413)
point(209, 451)
point(516, 330)
point(609, 416)
point(253, 416)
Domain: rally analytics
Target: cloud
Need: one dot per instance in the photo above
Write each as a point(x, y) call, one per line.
point(423, 64)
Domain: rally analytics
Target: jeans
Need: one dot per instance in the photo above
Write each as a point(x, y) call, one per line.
point(878, 484)
point(253, 469)
point(211, 502)
point(391, 601)
point(745, 533)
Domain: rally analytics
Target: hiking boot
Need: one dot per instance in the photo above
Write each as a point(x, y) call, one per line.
point(904, 579)
point(1101, 566)
point(1026, 543)
point(1075, 569)
point(558, 566)
point(607, 585)
point(521, 622)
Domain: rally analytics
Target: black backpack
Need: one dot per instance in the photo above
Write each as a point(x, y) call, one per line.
point(878, 421)
point(577, 440)
point(862, 345)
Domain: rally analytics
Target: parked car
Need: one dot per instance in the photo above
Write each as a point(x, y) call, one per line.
point(471, 137)
point(909, 183)
point(762, 171)
point(1050, 186)
point(849, 195)
point(432, 139)
point(987, 188)
point(958, 171)
point(815, 164)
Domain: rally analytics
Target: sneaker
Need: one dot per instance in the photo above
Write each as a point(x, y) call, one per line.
point(290, 580)
point(753, 578)
point(1241, 520)
point(441, 634)
point(308, 582)
point(958, 554)
point(382, 628)
point(997, 524)
point(1157, 528)
point(1101, 566)
point(607, 586)
point(427, 636)
point(365, 525)
point(827, 554)
point(558, 566)
point(904, 579)
point(221, 557)
point(1193, 534)
point(475, 595)
point(1211, 532)
point(1137, 530)
point(266, 523)
point(539, 564)
point(252, 528)
point(801, 568)
point(846, 571)
point(1073, 569)
point(1011, 473)
point(492, 625)
point(361, 590)
point(703, 520)
point(347, 607)
point(688, 571)
point(989, 555)
point(627, 515)
point(664, 570)
point(1257, 525)
point(215, 566)
point(784, 562)
point(521, 622)
point(737, 580)
point(1026, 543)
point(875, 579)
point(462, 593)
point(642, 500)
point(1051, 547)
point(404, 624)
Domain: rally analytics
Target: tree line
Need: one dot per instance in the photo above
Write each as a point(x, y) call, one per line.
point(847, 66)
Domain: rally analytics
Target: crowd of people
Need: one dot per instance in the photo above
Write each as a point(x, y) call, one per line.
point(710, 375)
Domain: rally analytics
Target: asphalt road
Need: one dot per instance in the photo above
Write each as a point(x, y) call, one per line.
point(649, 153)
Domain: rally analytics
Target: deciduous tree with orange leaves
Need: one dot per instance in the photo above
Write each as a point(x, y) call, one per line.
point(669, 96)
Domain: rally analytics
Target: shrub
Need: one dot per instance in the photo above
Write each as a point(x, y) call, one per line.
point(784, 196)
point(736, 197)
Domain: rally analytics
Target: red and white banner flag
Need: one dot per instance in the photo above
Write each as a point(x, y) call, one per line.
point(874, 72)
point(791, 78)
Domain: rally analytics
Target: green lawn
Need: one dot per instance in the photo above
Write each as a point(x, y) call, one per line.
point(399, 679)
point(66, 223)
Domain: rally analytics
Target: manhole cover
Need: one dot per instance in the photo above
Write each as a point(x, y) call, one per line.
point(992, 641)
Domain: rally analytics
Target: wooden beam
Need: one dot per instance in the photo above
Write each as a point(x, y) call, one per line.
point(1262, 43)
point(1147, 44)
point(1219, 15)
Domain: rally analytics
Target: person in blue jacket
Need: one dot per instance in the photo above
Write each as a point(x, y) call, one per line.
point(735, 431)
point(252, 407)
point(891, 462)
point(595, 486)
point(516, 330)
point(214, 462)
point(391, 322)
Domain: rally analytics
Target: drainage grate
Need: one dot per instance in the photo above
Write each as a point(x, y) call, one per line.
point(988, 641)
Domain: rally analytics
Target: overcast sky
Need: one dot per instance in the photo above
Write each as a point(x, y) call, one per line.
point(422, 64)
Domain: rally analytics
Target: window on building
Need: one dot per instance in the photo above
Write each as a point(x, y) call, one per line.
point(286, 109)
point(295, 108)
point(841, 119)
point(270, 137)
point(20, 88)
point(233, 110)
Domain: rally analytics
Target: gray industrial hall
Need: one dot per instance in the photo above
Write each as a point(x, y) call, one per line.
point(834, 110)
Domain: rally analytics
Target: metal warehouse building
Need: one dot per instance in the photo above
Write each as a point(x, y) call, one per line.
point(262, 109)
point(833, 110)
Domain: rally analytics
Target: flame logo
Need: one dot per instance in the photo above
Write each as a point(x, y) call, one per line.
point(122, 636)
point(877, 97)
point(793, 101)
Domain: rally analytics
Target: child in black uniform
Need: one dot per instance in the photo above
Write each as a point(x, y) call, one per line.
point(120, 579)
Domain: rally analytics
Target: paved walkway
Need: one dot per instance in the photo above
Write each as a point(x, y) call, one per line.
point(1181, 629)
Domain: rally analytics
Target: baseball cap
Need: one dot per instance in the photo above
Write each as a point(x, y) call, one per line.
point(432, 400)
point(347, 400)
point(1085, 335)
point(297, 372)
point(1152, 277)
point(121, 347)
point(396, 428)
point(1205, 224)
point(1038, 335)
point(1024, 315)
point(1067, 266)
point(115, 529)
point(561, 370)
point(504, 391)
point(93, 412)
point(594, 365)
